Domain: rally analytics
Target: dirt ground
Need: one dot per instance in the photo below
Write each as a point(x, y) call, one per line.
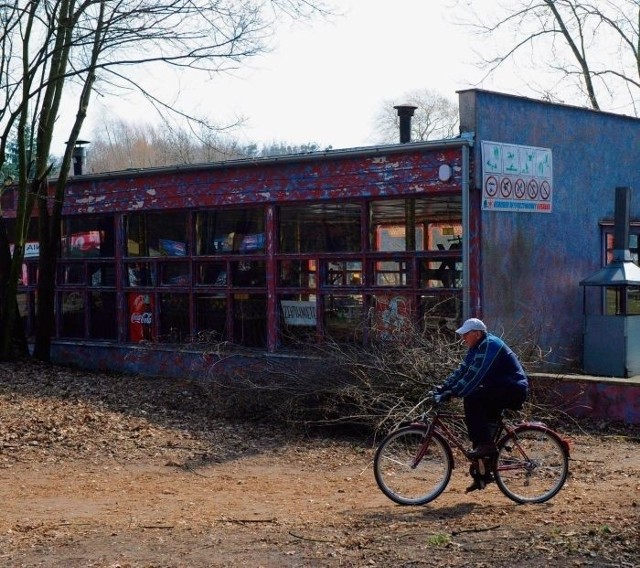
point(100, 471)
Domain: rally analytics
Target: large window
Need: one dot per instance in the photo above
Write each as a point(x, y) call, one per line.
point(72, 308)
point(346, 270)
point(173, 322)
point(250, 319)
point(230, 231)
point(344, 317)
point(297, 273)
point(86, 278)
point(353, 277)
point(394, 225)
point(87, 237)
point(634, 240)
point(415, 224)
point(102, 309)
point(157, 234)
point(616, 300)
point(211, 317)
point(322, 227)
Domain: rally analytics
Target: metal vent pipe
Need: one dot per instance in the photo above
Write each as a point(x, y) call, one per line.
point(405, 112)
point(621, 252)
point(79, 157)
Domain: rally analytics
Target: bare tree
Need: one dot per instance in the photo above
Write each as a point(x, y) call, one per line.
point(435, 117)
point(118, 145)
point(55, 50)
point(590, 46)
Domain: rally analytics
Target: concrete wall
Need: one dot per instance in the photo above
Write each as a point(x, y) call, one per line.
point(532, 263)
point(579, 396)
point(598, 398)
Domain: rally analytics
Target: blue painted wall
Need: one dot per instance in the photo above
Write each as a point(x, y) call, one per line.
point(532, 263)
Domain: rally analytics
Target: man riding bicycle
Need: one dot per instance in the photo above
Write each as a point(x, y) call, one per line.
point(489, 379)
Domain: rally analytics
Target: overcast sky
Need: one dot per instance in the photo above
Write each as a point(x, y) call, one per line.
point(325, 81)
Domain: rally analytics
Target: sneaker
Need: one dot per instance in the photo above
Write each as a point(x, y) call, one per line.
point(476, 485)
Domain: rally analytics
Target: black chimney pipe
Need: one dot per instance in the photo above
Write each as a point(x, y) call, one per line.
point(405, 112)
point(79, 156)
point(621, 251)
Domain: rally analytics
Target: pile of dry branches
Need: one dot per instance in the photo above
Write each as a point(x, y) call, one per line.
point(374, 387)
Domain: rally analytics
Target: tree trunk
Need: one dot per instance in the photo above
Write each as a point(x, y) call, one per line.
point(16, 344)
point(47, 263)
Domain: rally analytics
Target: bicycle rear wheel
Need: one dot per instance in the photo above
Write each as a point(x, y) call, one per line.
point(532, 464)
point(406, 477)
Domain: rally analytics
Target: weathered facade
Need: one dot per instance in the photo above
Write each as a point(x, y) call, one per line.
point(262, 253)
point(502, 222)
point(532, 263)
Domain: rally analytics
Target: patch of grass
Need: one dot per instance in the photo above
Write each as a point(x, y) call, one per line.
point(439, 540)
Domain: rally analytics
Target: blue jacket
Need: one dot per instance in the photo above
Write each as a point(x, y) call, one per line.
point(490, 363)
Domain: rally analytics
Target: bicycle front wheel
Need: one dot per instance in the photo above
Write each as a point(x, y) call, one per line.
point(532, 464)
point(408, 472)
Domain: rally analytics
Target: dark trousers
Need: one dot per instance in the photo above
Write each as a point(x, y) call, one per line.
point(484, 406)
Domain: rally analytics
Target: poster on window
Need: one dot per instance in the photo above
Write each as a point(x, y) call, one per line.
point(140, 317)
point(516, 178)
point(392, 316)
point(83, 244)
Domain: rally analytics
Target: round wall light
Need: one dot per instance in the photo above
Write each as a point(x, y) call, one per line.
point(445, 172)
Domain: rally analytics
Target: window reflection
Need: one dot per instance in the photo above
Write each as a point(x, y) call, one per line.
point(84, 237)
point(250, 273)
point(101, 274)
point(325, 227)
point(156, 234)
point(211, 318)
point(415, 223)
point(72, 308)
point(211, 274)
point(174, 273)
point(230, 230)
point(391, 273)
point(441, 273)
point(441, 310)
point(173, 324)
point(634, 248)
point(250, 320)
point(297, 273)
point(102, 307)
point(343, 273)
point(140, 274)
point(71, 274)
point(196, 274)
point(344, 317)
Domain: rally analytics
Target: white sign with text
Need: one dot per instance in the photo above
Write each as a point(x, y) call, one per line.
point(516, 178)
point(299, 313)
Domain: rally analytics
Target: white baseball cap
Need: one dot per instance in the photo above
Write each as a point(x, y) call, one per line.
point(472, 324)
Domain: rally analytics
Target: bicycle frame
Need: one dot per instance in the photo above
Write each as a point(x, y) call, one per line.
point(438, 423)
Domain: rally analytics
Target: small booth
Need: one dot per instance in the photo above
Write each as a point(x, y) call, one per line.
point(612, 306)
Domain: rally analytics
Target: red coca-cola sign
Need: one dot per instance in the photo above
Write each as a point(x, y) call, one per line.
point(140, 317)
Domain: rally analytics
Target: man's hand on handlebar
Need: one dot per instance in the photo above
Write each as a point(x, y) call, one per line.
point(440, 397)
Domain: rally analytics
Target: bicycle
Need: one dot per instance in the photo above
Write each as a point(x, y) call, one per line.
point(413, 464)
